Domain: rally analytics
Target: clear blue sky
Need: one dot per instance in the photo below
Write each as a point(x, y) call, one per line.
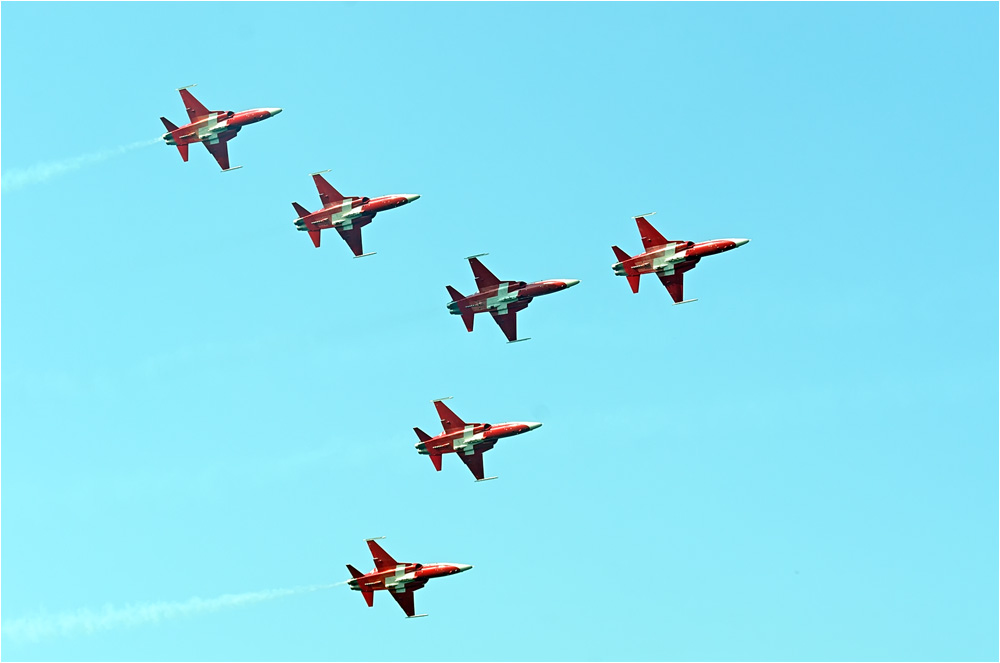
point(196, 402)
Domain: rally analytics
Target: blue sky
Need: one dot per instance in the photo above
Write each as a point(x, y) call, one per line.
point(800, 466)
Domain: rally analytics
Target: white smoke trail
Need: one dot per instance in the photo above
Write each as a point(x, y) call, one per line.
point(42, 626)
point(21, 177)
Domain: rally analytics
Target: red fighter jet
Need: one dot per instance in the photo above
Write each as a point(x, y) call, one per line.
point(401, 580)
point(348, 214)
point(469, 441)
point(213, 129)
point(667, 259)
point(503, 299)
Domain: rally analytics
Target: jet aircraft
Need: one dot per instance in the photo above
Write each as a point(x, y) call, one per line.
point(469, 441)
point(667, 259)
point(348, 214)
point(401, 580)
point(213, 129)
point(503, 299)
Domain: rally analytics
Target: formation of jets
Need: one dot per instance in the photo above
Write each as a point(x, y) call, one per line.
point(668, 259)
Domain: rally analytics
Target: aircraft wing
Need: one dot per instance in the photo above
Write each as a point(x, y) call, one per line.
point(219, 151)
point(353, 238)
point(195, 109)
point(381, 558)
point(450, 421)
point(651, 238)
point(474, 462)
point(508, 321)
point(405, 601)
point(327, 193)
point(484, 277)
point(674, 284)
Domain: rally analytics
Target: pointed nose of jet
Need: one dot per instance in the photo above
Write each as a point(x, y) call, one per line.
point(410, 197)
point(532, 425)
point(463, 567)
point(740, 242)
point(273, 111)
point(569, 283)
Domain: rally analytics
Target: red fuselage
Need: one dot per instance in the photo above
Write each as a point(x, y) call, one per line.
point(408, 575)
point(674, 256)
point(506, 293)
point(217, 126)
point(478, 437)
point(357, 210)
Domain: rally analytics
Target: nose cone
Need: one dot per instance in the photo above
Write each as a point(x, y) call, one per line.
point(569, 283)
point(273, 111)
point(532, 425)
point(740, 242)
point(463, 567)
point(410, 197)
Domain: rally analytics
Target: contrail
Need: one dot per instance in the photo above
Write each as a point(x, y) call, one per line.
point(43, 626)
point(21, 177)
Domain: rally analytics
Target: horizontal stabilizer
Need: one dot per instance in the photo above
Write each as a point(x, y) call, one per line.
point(354, 572)
point(621, 255)
point(422, 436)
point(168, 124)
point(314, 236)
point(369, 597)
point(300, 210)
point(455, 294)
point(183, 149)
point(633, 282)
point(436, 459)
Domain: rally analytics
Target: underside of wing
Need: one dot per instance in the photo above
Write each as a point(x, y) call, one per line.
point(674, 284)
point(382, 559)
point(353, 238)
point(405, 601)
point(450, 421)
point(327, 193)
point(484, 277)
point(651, 238)
point(508, 321)
point(474, 462)
point(195, 109)
point(220, 152)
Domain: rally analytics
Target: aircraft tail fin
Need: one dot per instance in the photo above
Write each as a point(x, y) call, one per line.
point(314, 236)
point(633, 279)
point(183, 149)
point(168, 124)
point(468, 317)
point(354, 572)
point(421, 435)
point(300, 210)
point(436, 459)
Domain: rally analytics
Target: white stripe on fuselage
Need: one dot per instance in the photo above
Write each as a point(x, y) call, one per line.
point(502, 299)
point(467, 443)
